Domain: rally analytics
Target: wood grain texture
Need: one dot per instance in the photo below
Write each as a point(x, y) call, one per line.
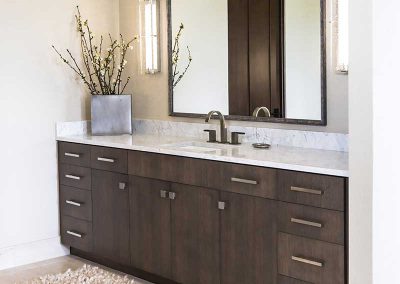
point(333, 189)
point(111, 216)
point(238, 60)
point(72, 148)
point(333, 224)
point(259, 54)
point(276, 59)
point(150, 226)
point(248, 240)
point(168, 168)
point(85, 181)
point(331, 255)
point(288, 280)
point(220, 175)
point(119, 156)
point(83, 197)
point(195, 235)
point(81, 227)
point(203, 173)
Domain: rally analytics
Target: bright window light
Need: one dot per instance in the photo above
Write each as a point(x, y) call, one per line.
point(342, 63)
point(149, 35)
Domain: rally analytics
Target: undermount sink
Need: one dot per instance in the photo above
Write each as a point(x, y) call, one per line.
point(200, 147)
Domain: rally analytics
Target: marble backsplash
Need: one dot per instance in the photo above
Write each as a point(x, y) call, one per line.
point(284, 137)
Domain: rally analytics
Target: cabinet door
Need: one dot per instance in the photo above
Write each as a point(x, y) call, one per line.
point(195, 235)
point(111, 215)
point(150, 226)
point(248, 240)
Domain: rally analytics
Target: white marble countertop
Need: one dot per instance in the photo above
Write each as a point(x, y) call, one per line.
point(281, 157)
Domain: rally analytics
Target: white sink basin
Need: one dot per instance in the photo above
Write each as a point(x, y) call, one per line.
point(200, 147)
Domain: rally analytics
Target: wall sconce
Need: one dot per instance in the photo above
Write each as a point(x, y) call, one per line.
point(149, 24)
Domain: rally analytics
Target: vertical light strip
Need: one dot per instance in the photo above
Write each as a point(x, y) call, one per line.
point(149, 22)
point(342, 64)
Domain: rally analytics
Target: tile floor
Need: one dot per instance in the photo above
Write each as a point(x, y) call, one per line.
point(53, 266)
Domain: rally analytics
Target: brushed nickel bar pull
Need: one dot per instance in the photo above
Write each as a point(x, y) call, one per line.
point(73, 203)
point(307, 261)
point(107, 160)
point(72, 155)
point(73, 177)
point(246, 181)
point(305, 222)
point(306, 190)
point(74, 234)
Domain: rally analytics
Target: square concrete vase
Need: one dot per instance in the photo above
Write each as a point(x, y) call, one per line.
point(111, 114)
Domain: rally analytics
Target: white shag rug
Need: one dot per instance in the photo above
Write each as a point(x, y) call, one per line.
point(85, 275)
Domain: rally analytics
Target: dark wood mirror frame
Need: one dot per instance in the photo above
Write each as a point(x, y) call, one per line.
point(322, 122)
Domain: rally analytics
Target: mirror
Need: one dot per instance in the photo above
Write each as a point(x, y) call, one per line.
point(260, 60)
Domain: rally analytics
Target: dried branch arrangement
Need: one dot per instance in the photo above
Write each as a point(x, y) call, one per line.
point(102, 67)
point(176, 74)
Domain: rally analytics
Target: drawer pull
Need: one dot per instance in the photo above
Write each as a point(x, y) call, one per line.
point(73, 177)
point(306, 190)
point(107, 160)
point(72, 155)
point(73, 203)
point(307, 261)
point(74, 234)
point(305, 222)
point(246, 181)
point(221, 205)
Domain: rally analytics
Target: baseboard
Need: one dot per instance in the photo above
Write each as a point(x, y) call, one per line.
point(31, 252)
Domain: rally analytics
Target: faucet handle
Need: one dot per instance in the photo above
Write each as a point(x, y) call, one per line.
point(235, 137)
point(212, 135)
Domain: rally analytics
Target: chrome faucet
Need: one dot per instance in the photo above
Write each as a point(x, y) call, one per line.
point(224, 130)
point(258, 109)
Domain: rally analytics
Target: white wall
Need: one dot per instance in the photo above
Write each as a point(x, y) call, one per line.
point(386, 139)
point(303, 59)
point(360, 147)
point(37, 90)
point(205, 85)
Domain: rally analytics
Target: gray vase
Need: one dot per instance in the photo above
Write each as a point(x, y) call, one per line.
point(111, 114)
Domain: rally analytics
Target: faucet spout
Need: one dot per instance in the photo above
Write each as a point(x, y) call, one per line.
point(224, 131)
point(264, 109)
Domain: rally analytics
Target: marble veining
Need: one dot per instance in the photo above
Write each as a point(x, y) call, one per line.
point(282, 137)
point(281, 157)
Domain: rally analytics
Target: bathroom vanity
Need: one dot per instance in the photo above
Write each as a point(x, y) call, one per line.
point(170, 213)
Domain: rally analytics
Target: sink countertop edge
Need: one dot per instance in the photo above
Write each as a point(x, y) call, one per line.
point(126, 142)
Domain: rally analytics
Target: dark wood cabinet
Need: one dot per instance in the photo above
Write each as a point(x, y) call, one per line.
point(151, 226)
point(171, 219)
point(195, 235)
point(248, 240)
point(110, 194)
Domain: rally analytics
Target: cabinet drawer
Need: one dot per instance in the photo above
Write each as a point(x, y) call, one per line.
point(168, 168)
point(74, 154)
point(75, 176)
point(109, 159)
point(322, 224)
point(311, 189)
point(310, 260)
point(76, 233)
point(249, 180)
point(76, 203)
point(288, 280)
